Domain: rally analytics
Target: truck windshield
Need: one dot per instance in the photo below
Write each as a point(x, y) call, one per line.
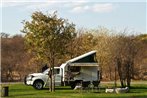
point(46, 71)
point(56, 71)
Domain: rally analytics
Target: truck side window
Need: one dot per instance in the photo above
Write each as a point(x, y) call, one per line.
point(56, 71)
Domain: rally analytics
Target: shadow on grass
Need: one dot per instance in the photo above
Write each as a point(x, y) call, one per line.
point(138, 87)
point(58, 88)
point(21, 95)
point(97, 92)
point(63, 89)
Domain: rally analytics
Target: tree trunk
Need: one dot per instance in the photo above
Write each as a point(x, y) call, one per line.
point(129, 73)
point(53, 80)
point(115, 77)
point(122, 83)
point(128, 82)
point(110, 75)
point(120, 73)
point(50, 80)
point(50, 84)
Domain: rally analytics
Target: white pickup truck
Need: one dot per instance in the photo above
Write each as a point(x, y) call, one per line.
point(82, 69)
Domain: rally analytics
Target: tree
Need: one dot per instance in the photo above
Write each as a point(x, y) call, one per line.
point(14, 58)
point(125, 52)
point(141, 58)
point(47, 37)
point(4, 35)
point(102, 39)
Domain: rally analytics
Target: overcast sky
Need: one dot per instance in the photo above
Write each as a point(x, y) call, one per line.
point(117, 14)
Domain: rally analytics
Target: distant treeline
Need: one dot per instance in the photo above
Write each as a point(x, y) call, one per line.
point(114, 50)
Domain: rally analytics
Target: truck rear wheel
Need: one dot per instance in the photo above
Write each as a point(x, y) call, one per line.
point(76, 83)
point(38, 85)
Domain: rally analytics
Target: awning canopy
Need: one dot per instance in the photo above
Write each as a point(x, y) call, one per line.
point(83, 64)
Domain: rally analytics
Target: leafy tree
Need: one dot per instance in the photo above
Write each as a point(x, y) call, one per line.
point(47, 37)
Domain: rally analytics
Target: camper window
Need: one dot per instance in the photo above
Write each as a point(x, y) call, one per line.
point(75, 68)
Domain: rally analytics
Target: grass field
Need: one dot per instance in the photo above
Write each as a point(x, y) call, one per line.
point(23, 91)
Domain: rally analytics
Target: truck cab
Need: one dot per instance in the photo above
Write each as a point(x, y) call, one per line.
point(40, 80)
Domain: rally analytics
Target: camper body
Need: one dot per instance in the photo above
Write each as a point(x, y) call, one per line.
point(82, 70)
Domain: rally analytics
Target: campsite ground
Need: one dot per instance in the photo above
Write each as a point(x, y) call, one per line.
point(19, 90)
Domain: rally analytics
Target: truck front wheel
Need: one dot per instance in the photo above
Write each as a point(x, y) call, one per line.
point(38, 84)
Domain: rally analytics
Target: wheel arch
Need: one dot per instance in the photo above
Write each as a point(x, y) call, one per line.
point(39, 80)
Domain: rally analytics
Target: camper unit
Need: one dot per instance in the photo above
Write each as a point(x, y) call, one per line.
point(82, 69)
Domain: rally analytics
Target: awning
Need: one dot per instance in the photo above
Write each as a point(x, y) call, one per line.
point(83, 64)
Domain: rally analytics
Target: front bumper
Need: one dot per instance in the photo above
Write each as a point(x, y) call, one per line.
point(28, 81)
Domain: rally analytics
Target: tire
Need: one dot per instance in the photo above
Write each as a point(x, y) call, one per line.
point(73, 86)
point(38, 84)
point(25, 81)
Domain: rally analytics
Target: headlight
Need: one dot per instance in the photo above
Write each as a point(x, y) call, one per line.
point(30, 77)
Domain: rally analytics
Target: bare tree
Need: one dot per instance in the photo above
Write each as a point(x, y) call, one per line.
point(125, 51)
point(14, 58)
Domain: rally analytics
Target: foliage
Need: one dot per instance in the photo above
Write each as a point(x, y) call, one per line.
point(108, 45)
point(47, 37)
point(53, 40)
point(13, 58)
point(125, 53)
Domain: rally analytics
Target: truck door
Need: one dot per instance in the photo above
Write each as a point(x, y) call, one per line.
point(57, 76)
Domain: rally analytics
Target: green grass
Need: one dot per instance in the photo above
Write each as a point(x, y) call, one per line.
point(23, 91)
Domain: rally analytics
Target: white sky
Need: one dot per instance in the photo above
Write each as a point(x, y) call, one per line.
point(117, 14)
